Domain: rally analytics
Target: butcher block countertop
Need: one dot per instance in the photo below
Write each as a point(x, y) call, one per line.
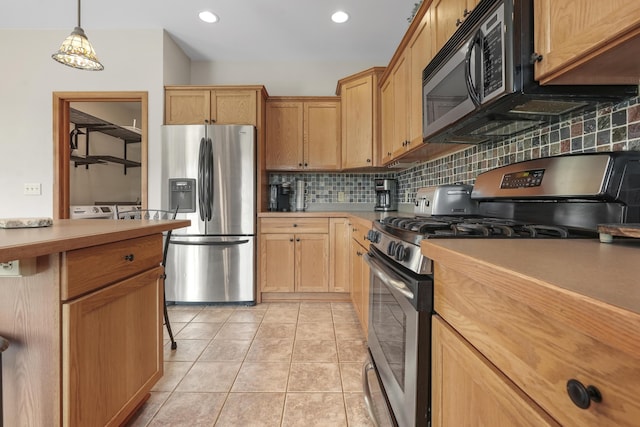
point(602, 272)
point(67, 234)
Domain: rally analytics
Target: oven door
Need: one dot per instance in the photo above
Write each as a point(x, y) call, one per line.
point(395, 338)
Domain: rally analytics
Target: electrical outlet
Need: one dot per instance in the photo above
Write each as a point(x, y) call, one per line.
point(32, 189)
point(24, 267)
point(341, 196)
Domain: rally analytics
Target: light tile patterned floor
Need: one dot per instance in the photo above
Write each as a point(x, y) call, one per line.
point(274, 364)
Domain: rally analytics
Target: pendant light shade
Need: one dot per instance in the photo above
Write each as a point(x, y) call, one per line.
point(77, 52)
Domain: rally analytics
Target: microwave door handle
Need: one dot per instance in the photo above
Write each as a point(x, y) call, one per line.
point(474, 94)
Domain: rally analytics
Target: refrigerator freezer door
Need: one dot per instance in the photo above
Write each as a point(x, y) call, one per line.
point(210, 269)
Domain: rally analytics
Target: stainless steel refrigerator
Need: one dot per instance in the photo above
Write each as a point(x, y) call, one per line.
point(209, 174)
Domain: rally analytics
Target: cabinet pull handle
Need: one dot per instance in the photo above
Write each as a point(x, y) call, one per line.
point(129, 257)
point(582, 396)
point(535, 57)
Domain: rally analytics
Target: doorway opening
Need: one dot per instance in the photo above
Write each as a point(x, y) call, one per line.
point(67, 156)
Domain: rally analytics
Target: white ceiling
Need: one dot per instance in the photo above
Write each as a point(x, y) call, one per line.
point(248, 30)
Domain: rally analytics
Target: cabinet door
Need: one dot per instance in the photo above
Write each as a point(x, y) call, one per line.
point(187, 107)
point(587, 42)
point(388, 117)
point(357, 295)
point(468, 390)
point(339, 238)
point(401, 97)
point(446, 17)
point(421, 54)
point(312, 262)
point(284, 136)
point(358, 123)
point(234, 107)
point(112, 350)
point(277, 262)
point(321, 145)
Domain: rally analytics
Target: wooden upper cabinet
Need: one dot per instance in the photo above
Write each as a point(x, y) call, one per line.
point(200, 105)
point(447, 17)
point(401, 100)
point(421, 54)
point(321, 147)
point(587, 42)
point(388, 117)
point(303, 134)
point(284, 135)
point(360, 99)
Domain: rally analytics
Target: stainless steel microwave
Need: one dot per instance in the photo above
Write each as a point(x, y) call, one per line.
point(481, 86)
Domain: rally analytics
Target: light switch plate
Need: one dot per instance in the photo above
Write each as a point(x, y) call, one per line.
point(32, 189)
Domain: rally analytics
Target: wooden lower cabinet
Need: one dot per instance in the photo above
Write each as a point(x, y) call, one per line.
point(112, 350)
point(339, 239)
point(467, 390)
point(360, 270)
point(294, 255)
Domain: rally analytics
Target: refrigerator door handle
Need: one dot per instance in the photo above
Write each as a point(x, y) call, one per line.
point(201, 183)
point(210, 180)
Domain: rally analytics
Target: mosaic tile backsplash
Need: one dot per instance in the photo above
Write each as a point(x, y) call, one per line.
point(609, 128)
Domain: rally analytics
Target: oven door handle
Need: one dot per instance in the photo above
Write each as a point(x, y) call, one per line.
point(384, 274)
point(368, 398)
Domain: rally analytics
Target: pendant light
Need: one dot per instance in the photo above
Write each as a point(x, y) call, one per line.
point(77, 52)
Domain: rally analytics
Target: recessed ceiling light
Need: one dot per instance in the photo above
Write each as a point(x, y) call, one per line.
point(339, 17)
point(209, 17)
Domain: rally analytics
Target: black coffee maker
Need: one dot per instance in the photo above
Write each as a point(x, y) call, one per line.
point(280, 197)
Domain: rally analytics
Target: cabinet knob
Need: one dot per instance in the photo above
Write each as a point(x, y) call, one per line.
point(458, 22)
point(535, 57)
point(299, 164)
point(582, 396)
point(306, 164)
point(129, 257)
point(295, 225)
point(297, 240)
point(466, 13)
point(368, 160)
point(291, 240)
point(206, 122)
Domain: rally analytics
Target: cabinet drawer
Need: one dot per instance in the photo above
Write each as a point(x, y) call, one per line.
point(84, 270)
point(294, 225)
point(542, 337)
point(359, 229)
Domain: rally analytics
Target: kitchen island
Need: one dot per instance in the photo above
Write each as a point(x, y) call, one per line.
point(84, 322)
point(535, 332)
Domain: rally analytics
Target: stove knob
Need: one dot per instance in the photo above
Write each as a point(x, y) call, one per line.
point(373, 236)
point(402, 253)
point(391, 249)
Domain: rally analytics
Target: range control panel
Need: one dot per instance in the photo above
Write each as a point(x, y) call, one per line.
point(522, 179)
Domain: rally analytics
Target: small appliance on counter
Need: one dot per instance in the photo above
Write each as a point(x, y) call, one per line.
point(300, 200)
point(449, 199)
point(386, 195)
point(280, 197)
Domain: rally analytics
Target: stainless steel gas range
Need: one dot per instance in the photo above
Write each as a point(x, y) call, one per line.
point(550, 198)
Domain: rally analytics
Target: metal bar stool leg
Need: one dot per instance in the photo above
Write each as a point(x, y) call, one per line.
point(174, 344)
point(4, 344)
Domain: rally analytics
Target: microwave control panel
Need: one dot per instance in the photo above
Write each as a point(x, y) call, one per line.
point(522, 179)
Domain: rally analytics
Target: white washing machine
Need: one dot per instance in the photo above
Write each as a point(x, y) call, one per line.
point(92, 212)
